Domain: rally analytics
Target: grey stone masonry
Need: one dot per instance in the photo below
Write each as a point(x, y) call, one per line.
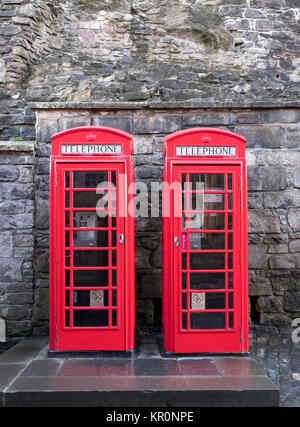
point(273, 200)
point(17, 237)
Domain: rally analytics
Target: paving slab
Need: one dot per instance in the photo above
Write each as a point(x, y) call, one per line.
point(33, 379)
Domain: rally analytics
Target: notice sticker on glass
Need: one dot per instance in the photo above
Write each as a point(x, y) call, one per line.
point(198, 301)
point(183, 241)
point(97, 298)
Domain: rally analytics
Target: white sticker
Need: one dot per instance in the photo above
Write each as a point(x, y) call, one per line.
point(198, 301)
point(97, 298)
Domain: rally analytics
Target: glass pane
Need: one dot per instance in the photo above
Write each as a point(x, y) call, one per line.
point(230, 258)
point(230, 300)
point(207, 281)
point(200, 221)
point(114, 278)
point(67, 199)
point(114, 318)
point(67, 180)
point(206, 202)
point(209, 182)
point(67, 239)
point(183, 296)
point(67, 278)
point(229, 182)
point(207, 301)
point(208, 241)
point(90, 278)
point(183, 261)
point(183, 181)
point(114, 298)
point(229, 240)
point(67, 298)
point(229, 221)
point(90, 238)
point(67, 258)
point(184, 317)
point(230, 280)
point(207, 261)
point(90, 318)
point(230, 320)
point(207, 320)
point(90, 179)
point(92, 258)
point(89, 220)
point(94, 298)
point(114, 259)
point(113, 239)
point(229, 196)
point(90, 199)
point(67, 219)
point(113, 179)
point(184, 280)
point(67, 319)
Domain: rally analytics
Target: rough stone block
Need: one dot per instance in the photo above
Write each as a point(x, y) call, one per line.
point(281, 116)
point(10, 270)
point(262, 136)
point(259, 283)
point(297, 178)
point(151, 286)
point(257, 256)
point(295, 246)
point(142, 259)
point(284, 261)
point(7, 173)
point(294, 218)
point(143, 144)
point(282, 199)
point(266, 178)
point(275, 319)
point(41, 304)
point(117, 122)
point(263, 221)
point(269, 304)
point(292, 301)
point(282, 284)
point(156, 124)
point(6, 244)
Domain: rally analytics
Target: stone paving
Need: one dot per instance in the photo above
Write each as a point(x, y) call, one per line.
point(279, 357)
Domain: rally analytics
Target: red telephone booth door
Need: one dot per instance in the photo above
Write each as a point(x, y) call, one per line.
point(207, 233)
point(90, 256)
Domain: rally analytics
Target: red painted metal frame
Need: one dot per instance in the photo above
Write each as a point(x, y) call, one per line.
point(203, 340)
point(91, 338)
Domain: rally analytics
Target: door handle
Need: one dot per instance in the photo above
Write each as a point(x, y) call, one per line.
point(121, 238)
point(176, 242)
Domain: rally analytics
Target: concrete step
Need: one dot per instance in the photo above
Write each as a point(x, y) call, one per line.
point(28, 377)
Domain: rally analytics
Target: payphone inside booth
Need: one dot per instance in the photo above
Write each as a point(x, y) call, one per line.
point(205, 296)
point(92, 304)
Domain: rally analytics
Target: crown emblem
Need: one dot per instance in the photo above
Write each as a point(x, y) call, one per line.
point(91, 137)
point(206, 138)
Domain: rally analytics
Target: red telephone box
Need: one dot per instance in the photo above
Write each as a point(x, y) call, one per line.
point(91, 241)
point(205, 297)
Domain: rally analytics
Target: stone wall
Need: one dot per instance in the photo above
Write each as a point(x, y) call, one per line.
point(274, 198)
point(17, 305)
point(151, 68)
point(137, 50)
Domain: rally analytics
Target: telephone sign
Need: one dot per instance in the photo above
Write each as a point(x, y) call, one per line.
point(91, 241)
point(205, 299)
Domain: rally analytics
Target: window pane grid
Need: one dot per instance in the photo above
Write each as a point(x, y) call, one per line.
point(225, 295)
point(109, 290)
